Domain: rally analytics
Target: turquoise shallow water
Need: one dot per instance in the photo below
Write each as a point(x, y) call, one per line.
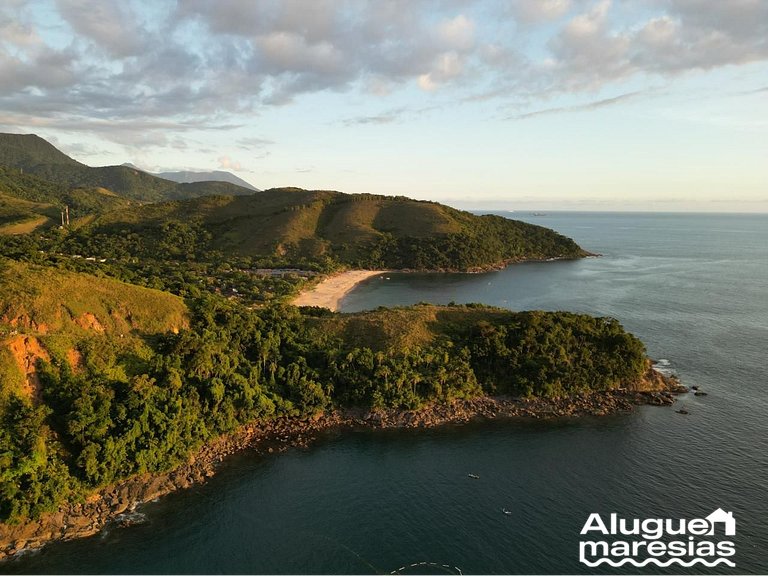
point(693, 287)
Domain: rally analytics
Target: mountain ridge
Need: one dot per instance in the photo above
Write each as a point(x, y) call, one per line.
point(124, 210)
point(33, 155)
point(193, 176)
point(297, 226)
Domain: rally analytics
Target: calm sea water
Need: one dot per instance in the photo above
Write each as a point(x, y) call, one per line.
point(693, 287)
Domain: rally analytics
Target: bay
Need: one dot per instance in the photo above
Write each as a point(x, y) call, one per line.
point(693, 287)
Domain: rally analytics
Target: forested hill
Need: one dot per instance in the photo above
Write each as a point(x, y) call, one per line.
point(30, 154)
point(120, 211)
point(97, 388)
point(291, 226)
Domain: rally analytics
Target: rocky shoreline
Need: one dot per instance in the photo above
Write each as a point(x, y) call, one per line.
point(115, 505)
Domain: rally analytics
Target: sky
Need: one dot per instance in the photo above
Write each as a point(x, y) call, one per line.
point(518, 104)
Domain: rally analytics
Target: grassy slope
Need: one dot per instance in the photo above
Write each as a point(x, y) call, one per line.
point(35, 295)
point(64, 311)
point(16, 210)
point(305, 223)
point(24, 197)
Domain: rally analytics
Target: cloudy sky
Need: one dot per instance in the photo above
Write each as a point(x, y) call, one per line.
point(570, 104)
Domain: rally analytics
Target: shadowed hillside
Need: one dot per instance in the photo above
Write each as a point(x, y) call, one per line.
point(26, 199)
point(29, 154)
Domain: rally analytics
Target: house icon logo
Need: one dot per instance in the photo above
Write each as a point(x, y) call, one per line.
point(726, 518)
point(618, 541)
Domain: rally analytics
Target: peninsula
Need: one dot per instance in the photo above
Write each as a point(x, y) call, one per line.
point(146, 331)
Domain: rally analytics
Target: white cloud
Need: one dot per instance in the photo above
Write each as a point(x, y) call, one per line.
point(587, 52)
point(593, 49)
point(227, 163)
point(18, 34)
point(447, 66)
point(199, 62)
point(540, 10)
point(285, 52)
point(111, 25)
point(457, 33)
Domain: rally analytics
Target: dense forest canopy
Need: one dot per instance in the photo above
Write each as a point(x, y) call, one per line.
point(143, 405)
point(136, 332)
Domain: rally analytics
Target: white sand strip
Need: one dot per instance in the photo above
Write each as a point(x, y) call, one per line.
point(330, 291)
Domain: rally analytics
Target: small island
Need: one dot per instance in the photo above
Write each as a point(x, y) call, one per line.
point(149, 333)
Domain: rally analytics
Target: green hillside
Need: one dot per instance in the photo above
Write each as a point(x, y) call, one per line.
point(542, 354)
point(29, 154)
point(52, 314)
point(295, 226)
point(33, 296)
point(114, 411)
point(26, 200)
point(278, 227)
point(78, 325)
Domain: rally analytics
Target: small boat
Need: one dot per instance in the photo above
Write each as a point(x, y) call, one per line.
point(699, 393)
point(507, 512)
point(475, 476)
point(682, 411)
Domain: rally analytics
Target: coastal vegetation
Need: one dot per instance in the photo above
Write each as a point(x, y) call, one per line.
point(125, 380)
point(295, 227)
point(30, 155)
point(210, 237)
point(140, 332)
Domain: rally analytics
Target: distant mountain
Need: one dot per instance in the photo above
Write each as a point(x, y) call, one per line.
point(33, 155)
point(187, 177)
point(194, 176)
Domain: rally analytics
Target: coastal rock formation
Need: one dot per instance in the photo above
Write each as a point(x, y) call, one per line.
point(114, 504)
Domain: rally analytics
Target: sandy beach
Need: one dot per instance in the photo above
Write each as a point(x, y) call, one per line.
point(329, 292)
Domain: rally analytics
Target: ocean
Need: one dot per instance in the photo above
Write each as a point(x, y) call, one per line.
point(693, 287)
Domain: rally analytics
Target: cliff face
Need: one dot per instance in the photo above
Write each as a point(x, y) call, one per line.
point(26, 351)
point(655, 381)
